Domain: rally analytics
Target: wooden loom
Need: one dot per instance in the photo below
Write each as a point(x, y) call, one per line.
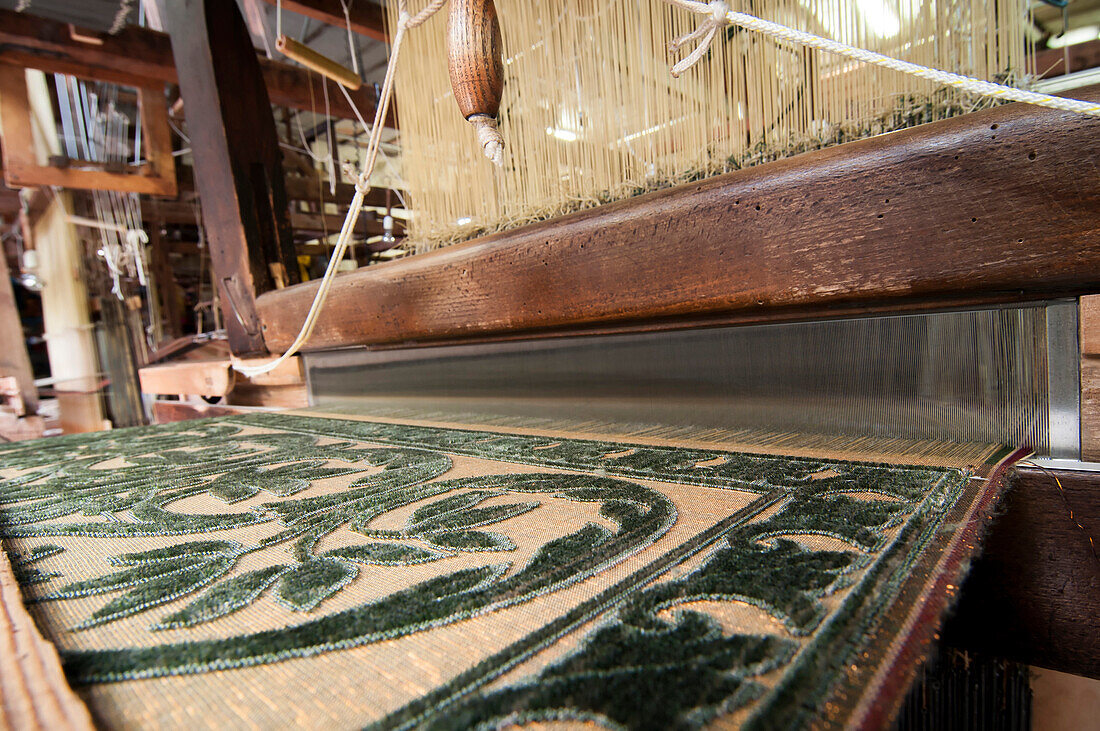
point(889, 226)
point(831, 235)
point(839, 233)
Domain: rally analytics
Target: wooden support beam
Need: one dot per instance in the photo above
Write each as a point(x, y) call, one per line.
point(169, 297)
point(14, 360)
point(316, 224)
point(238, 169)
point(312, 190)
point(1034, 595)
point(367, 18)
point(140, 57)
point(313, 224)
point(996, 206)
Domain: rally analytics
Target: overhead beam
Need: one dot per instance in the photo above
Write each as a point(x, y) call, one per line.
point(175, 213)
point(140, 57)
point(367, 18)
point(996, 206)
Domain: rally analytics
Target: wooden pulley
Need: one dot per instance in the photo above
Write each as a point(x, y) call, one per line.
point(475, 61)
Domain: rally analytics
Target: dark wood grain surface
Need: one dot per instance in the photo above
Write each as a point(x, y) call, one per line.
point(996, 206)
point(1034, 595)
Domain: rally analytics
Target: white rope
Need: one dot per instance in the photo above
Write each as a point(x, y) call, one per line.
point(362, 187)
point(351, 43)
point(719, 15)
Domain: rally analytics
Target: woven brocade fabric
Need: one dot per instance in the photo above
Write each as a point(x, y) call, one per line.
point(293, 570)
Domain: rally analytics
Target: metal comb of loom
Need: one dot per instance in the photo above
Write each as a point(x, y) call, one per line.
point(1003, 375)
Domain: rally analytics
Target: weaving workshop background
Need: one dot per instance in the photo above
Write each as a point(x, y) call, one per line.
point(441, 577)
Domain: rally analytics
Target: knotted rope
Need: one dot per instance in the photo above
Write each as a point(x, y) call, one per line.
point(717, 16)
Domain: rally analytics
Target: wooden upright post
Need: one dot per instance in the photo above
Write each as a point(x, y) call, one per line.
point(238, 167)
point(13, 356)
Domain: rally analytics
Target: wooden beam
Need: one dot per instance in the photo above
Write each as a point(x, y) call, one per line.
point(1080, 56)
point(311, 191)
point(366, 18)
point(238, 169)
point(174, 212)
point(1034, 595)
point(14, 360)
point(317, 224)
point(140, 57)
point(197, 378)
point(33, 691)
point(156, 177)
point(996, 206)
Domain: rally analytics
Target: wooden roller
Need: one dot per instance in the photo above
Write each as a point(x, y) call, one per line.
point(476, 65)
point(321, 64)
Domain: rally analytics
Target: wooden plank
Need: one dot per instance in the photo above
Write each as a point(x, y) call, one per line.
point(33, 691)
point(193, 378)
point(238, 169)
point(289, 373)
point(140, 57)
point(276, 397)
point(1090, 408)
point(165, 412)
point(1034, 595)
point(1090, 325)
point(996, 206)
point(366, 17)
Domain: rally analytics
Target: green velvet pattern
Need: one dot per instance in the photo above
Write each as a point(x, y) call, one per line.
point(645, 661)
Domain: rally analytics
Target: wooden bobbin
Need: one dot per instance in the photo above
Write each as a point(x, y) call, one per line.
point(476, 64)
point(323, 65)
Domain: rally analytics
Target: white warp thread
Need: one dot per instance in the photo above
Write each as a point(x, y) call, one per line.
point(719, 15)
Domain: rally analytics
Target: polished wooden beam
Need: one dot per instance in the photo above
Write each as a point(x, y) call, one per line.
point(140, 57)
point(996, 206)
point(238, 168)
point(367, 18)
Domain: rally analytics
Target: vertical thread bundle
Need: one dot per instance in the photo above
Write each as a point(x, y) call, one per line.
point(592, 113)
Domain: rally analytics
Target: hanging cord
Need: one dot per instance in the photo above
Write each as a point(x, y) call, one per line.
point(351, 43)
point(718, 15)
point(405, 22)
